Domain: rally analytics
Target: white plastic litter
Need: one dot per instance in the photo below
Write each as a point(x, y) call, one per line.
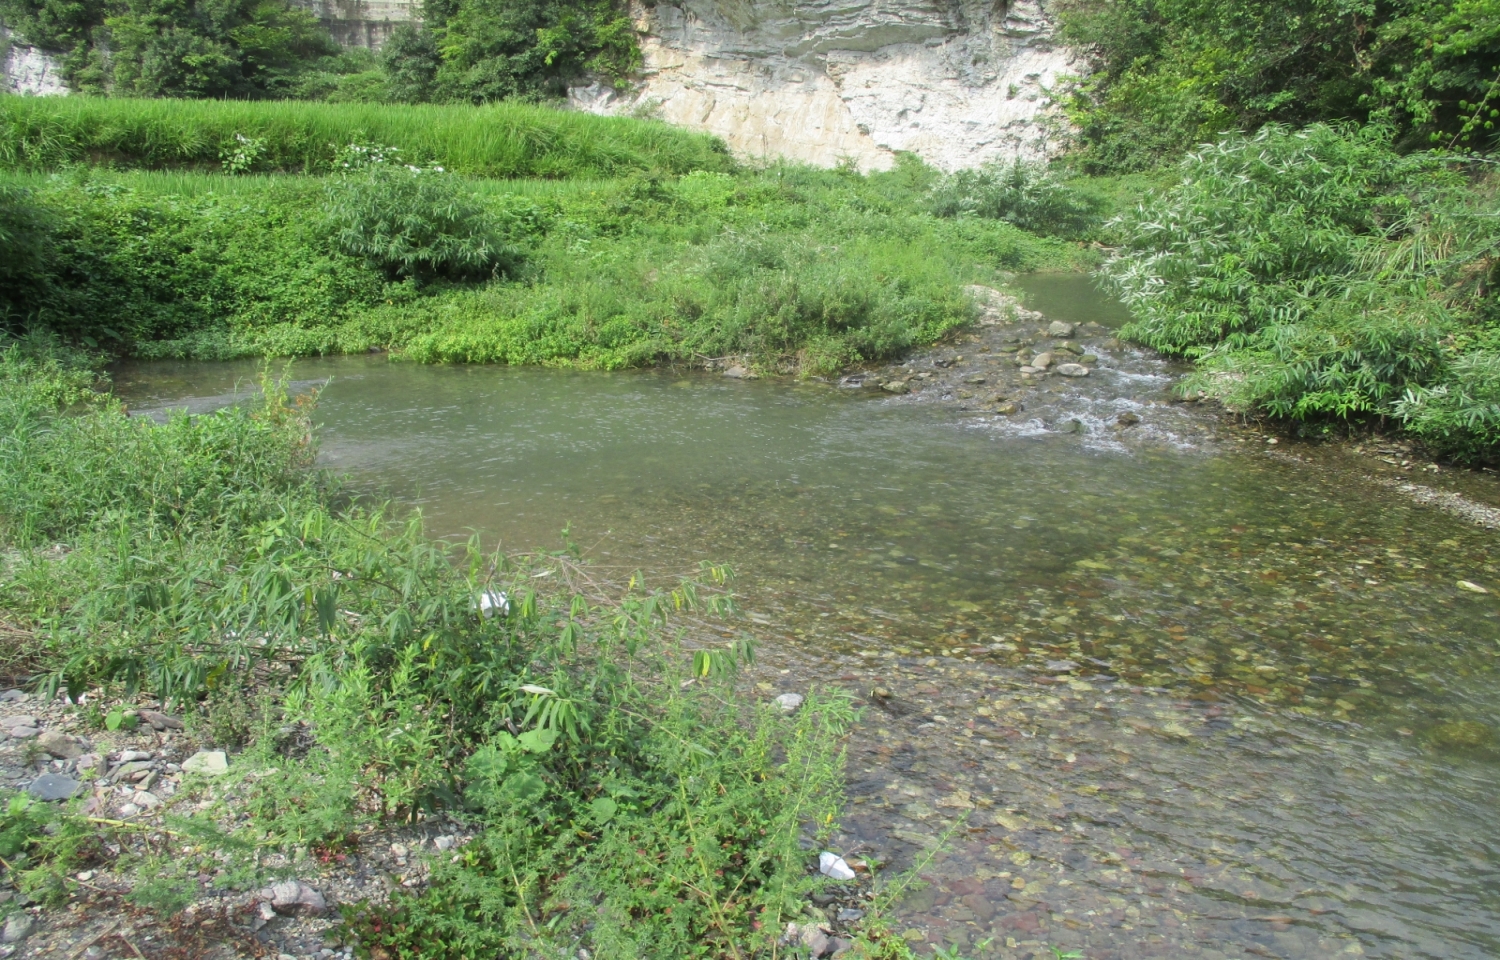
point(833, 865)
point(493, 602)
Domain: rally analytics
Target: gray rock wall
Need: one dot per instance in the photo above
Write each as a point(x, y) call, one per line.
point(958, 82)
point(362, 23)
point(25, 69)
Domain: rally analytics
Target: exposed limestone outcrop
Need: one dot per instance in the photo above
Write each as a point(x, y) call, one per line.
point(958, 82)
point(25, 69)
point(362, 23)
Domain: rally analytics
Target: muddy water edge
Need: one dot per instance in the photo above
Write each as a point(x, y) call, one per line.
point(1169, 690)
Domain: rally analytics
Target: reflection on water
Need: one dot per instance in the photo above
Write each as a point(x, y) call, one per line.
point(1193, 701)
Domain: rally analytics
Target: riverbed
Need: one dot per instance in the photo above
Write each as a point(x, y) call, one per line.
point(1168, 689)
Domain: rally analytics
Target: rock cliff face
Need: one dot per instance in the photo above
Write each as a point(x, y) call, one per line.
point(958, 82)
point(362, 23)
point(25, 69)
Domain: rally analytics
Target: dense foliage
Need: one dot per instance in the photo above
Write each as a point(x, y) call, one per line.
point(1169, 74)
point(1319, 273)
point(464, 51)
point(798, 269)
point(164, 48)
point(1025, 194)
point(478, 51)
point(200, 561)
point(504, 140)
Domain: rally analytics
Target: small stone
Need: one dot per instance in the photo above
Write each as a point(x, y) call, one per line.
point(1061, 666)
point(128, 809)
point(848, 915)
point(88, 764)
point(895, 386)
point(443, 843)
point(1058, 328)
point(737, 372)
point(209, 763)
point(17, 928)
point(20, 720)
point(54, 786)
point(160, 721)
point(146, 800)
point(839, 947)
point(128, 771)
point(1008, 408)
point(1073, 370)
point(1463, 735)
point(1471, 586)
point(833, 865)
point(400, 851)
point(130, 756)
point(294, 898)
point(815, 940)
point(789, 702)
point(1127, 419)
point(266, 911)
point(1043, 360)
point(975, 380)
point(59, 745)
point(13, 695)
point(23, 733)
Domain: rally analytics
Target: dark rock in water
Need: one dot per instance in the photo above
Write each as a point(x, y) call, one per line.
point(1073, 370)
point(737, 372)
point(1463, 735)
point(1073, 426)
point(1059, 328)
point(1127, 419)
point(1008, 408)
point(895, 386)
point(976, 379)
point(54, 786)
point(1061, 666)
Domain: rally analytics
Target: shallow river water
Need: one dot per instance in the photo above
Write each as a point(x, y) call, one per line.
point(1189, 695)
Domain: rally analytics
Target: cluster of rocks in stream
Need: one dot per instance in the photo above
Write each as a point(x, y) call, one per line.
point(1011, 359)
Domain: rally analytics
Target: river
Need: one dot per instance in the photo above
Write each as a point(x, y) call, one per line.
point(1189, 693)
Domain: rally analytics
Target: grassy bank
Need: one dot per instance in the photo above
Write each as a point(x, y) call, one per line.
point(798, 269)
point(339, 655)
point(499, 140)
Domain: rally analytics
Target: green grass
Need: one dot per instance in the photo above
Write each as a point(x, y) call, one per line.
point(499, 140)
point(798, 270)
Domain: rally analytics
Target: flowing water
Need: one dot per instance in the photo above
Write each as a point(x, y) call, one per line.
point(1167, 690)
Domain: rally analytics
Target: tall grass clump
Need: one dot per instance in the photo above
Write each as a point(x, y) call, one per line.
point(1319, 274)
point(497, 140)
point(622, 793)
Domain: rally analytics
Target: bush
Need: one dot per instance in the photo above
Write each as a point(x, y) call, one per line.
point(410, 222)
point(1166, 77)
point(1021, 193)
point(1320, 274)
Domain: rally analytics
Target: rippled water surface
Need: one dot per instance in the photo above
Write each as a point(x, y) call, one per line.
point(1193, 696)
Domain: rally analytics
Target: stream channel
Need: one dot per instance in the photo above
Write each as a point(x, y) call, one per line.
point(1196, 695)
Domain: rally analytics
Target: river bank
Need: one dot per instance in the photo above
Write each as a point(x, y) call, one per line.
point(1176, 605)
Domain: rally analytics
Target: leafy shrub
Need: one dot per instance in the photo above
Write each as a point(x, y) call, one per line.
point(1021, 193)
point(1319, 273)
point(1166, 77)
point(411, 222)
